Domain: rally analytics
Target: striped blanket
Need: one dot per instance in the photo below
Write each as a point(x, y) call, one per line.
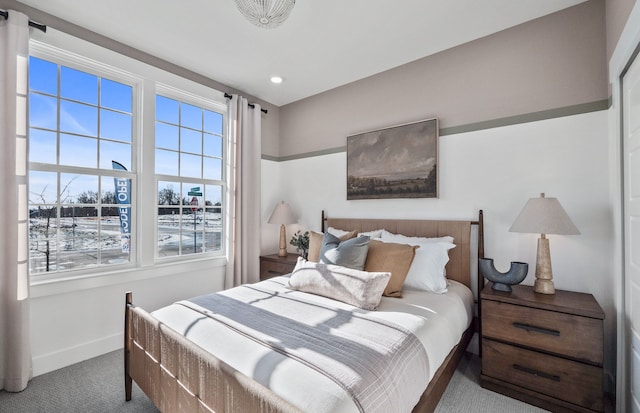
point(377, 363)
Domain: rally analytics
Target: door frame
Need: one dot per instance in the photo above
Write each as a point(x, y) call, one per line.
point(626, 50)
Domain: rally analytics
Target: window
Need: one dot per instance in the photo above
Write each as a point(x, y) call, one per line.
point(80, 126)
point(98, 167)
point(189, 170)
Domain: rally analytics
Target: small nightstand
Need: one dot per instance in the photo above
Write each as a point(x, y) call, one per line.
point(274, 265)
point(546, 350)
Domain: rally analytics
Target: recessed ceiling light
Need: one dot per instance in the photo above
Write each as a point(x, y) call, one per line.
point(276, 79)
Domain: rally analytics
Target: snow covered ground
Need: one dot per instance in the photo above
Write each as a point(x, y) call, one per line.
point(90, 241)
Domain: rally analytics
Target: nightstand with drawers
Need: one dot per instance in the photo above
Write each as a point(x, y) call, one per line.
point(546, 350)
point(274, 265)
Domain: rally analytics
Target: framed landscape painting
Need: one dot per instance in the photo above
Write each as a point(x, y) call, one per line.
point(396, 162)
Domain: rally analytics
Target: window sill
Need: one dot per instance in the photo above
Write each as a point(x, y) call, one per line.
point(65, 285)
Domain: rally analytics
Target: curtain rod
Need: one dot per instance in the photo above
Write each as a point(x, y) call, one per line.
point(251, 105)
point(5, 14)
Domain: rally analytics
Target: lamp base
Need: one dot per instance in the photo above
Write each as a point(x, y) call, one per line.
point(282, 249)
point(544, 286)
point(544, 275)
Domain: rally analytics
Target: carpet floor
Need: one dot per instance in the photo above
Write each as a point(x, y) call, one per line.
point(96, 385)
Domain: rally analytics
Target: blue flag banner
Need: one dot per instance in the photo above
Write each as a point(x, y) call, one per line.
point(123, 199)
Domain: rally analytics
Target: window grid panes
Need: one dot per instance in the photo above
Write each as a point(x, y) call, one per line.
point(81, 131)
point(189, 171)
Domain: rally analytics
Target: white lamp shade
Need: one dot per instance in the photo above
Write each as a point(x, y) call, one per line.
point(282, 215)
point(544, 216)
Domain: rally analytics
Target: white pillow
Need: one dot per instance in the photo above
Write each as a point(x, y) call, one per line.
point(337, 232)
point(403, 239)
point(358, 288)
point(372, 234)
point(427, 270)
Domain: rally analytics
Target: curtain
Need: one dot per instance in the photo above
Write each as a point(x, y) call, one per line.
point(243, 194)
point(15, 344)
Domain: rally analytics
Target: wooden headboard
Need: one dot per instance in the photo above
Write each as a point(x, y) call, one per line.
point(459, 266)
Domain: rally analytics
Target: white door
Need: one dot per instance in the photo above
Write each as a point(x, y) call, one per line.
point(631, 203)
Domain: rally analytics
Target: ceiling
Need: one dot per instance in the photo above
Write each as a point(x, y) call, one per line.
point(324, 43)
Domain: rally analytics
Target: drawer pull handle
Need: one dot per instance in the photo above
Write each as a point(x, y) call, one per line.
point(529, 327)
point(537, 373)
point(276, 272)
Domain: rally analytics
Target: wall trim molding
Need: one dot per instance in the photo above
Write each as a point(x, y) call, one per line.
point(313, 154)
point(578, 109)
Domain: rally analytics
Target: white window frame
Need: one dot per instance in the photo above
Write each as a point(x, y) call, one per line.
point(73, 61)
point(147, 81)
point(209, 104)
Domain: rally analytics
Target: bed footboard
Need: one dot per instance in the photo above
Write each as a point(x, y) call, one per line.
point(178, 375)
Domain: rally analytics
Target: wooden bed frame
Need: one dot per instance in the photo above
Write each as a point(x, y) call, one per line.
point(178, 375)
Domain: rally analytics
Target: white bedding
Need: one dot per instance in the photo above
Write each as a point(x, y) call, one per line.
point(438, 320)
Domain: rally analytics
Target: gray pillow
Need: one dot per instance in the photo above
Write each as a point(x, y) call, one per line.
point(358, 288)
point(351, 253)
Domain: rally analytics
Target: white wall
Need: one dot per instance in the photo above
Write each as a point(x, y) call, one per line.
point(496, 170)
point(271, 195)
point(76, 320)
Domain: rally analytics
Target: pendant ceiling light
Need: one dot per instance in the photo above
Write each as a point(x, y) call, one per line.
point(266, 13)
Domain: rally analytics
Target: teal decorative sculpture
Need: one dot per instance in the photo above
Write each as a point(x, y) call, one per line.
point(503, 281)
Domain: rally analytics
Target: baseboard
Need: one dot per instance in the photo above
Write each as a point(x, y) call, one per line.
point(53, 361)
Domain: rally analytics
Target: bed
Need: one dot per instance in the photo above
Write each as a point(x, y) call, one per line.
point(233, 352)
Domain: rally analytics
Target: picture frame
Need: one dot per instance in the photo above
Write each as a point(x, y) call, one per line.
point(394, 162)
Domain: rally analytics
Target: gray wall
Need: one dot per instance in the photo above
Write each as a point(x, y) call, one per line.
point(553, 62)
point(617, 14)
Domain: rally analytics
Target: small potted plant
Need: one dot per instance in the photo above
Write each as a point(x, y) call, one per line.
point(301, 242)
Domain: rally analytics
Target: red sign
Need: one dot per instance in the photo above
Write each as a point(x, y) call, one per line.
point(194, 201)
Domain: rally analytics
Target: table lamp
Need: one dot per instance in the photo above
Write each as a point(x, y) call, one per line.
point(544, 216)
point(283, 215)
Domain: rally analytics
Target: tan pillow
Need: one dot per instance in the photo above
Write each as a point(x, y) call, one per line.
point(315, 244)
point(393, 258)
